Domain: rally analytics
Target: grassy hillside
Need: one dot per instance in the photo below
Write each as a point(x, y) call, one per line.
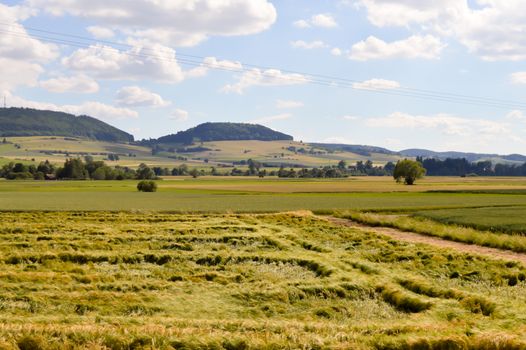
point(217, 153)
point(32, 122)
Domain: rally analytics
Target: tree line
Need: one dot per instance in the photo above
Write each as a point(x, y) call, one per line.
point(462, 167)
point(74, 169)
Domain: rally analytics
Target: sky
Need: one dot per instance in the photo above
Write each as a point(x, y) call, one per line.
point(437, 74)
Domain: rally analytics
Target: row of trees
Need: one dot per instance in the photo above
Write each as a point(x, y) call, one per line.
point(74, 169)
point(462, 167)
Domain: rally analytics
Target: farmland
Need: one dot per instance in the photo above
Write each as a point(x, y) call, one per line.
point(243, 263)
point(129, 280)
point(274, 153)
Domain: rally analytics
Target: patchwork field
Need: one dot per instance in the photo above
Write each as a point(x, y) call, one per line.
point(55, 149)
point(131, 281)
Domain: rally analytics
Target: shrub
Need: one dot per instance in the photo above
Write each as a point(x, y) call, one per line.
point(147, 186)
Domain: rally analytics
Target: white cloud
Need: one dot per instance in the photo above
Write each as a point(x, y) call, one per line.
point(94, 109)
point(286, 104)
point(21, 55)
point(272, 118)
point(137, 63)
point(16, 43)
point(323, 20)
point(214, 63)
point(134, 96)
point(101, 32)
point(448, 124)
point(269, 77)
point(516, 115)
point(179, 115)
point(177, 22)
point(301, 23)
point(425, 47)
point(518, 78)
point(300, 44)
point(376, 84)
point(491, 29)
point(16, 73)
point(336, 51)
point(351, 117)
point(79, 84)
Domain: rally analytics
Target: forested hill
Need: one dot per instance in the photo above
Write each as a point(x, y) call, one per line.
point(34, 122)
point(223, 132)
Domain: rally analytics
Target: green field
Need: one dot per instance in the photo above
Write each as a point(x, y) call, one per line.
point(505, 219)
point(253, 195)
point(99, 265)
point(163, 281)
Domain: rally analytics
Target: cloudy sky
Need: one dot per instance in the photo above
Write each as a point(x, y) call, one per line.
point(438, 74)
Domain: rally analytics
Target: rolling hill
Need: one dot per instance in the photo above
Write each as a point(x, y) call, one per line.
point(34, 135)
point(222, 132)
point(33, 122)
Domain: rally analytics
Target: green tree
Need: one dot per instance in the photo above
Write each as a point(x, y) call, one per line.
point(144, 172)
point(147, 186)
point(408, 171)
point(73, 168)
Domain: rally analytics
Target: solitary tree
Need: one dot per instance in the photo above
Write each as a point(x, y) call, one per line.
point(409, 171)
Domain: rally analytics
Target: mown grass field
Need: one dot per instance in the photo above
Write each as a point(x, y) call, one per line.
point(160, 281)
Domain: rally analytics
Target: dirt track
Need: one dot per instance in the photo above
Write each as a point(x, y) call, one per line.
point(434, 241)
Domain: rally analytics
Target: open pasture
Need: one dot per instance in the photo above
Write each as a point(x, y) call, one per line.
point(160, 281)
point(240, 195)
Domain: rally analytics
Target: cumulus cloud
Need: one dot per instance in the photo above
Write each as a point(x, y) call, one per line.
point(155, 62)
point(94, 109)
point(16, 73)
point(101, 32)
point(323, 20)
point(376, 84)
point(448, 124)
point(300, 44)
point(269, 77)
point(286, 104)
point(213, 63)
point(21, 55)
point(492, 30)
point(134, 96)
point(79, 84)
point(179, 23)
point(272, 118)
point(518, 78)
point(179, 115)
point(416, 46)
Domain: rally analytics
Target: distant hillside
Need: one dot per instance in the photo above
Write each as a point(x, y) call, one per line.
point(358, 149)
point(471, 157)
point(33, 122)
point(223, 132)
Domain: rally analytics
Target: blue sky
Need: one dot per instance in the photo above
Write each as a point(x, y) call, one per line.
point(157, 67)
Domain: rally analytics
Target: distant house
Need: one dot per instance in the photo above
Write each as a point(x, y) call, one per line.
point(50, 177)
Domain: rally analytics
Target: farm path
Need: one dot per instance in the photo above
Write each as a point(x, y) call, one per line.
point(434, 241)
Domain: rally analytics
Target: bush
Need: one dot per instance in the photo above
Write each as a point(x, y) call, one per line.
point(147, 186)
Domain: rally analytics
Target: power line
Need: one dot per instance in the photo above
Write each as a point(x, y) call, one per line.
point(290, 75)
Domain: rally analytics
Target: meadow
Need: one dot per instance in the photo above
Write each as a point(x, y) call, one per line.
point(243, 281)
